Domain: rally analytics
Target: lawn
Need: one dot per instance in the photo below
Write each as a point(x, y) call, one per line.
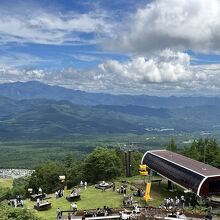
point(6, 183)
point(91, 198)
point(158, 191)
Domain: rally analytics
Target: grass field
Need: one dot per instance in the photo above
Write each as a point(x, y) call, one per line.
point(6, 183)
point(158, 191)
point(92, 198)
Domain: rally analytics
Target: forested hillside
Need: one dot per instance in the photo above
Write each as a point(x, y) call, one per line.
point(45, 119)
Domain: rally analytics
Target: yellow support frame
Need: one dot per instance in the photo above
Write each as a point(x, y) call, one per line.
point(148, 187)
point(143, 170)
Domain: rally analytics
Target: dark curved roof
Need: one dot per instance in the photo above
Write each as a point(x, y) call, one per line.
point(199, 177)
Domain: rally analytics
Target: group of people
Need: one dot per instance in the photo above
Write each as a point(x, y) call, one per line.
point(59, 193)
point(171, 203)
point(83, 184)
point(70, 215)
point(107, 210)
point(128, 201)
point(127, 214)
point(122, 190)
point(99, 212)
point(181, 202)
point(139, 193)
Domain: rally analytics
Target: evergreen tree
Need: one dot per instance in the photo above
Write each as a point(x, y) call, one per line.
point(172, 146)
point(206, 151)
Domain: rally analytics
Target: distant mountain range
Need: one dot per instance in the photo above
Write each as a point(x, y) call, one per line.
point(37, 90)
point(47, 118)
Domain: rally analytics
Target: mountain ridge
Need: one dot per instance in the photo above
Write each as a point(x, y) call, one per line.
point(38, 90)
point(45, 119)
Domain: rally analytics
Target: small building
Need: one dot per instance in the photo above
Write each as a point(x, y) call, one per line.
point(200, 178)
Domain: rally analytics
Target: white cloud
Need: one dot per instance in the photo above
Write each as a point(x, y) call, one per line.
point(130, 77)
point(155, 38)
point(170, 73)
point(16, 60)
point(35, 74)
point(175, 24)
point(168, 67)
point(47, 27)
point(85, 57)
point(166, 74)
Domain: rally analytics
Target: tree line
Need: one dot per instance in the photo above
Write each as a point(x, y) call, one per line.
point(101, 164)
point(204, 150)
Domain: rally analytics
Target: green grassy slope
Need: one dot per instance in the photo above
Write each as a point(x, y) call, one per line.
point(92, 198)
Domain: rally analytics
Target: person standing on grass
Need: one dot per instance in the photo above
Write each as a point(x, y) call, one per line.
point(59, 213)
point(81, 183)
point(85, 184)
point(182, 198)
point(113, 187)
point(177, 202)
point(38, 202)
point(56, 195)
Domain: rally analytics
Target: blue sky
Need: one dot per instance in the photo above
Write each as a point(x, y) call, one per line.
point(157, 47)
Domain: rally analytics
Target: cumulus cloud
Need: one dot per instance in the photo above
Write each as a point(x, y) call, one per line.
point(169, 74)
point(155, 37)
point(162, 24)
point(168, 67)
